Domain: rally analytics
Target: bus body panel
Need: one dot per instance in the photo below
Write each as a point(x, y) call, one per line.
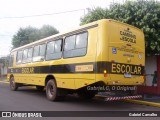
point(108, 56)
point(123, 51)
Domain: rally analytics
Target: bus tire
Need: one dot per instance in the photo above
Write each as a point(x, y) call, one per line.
point(51, 90)
point(13, 84)
point(40, 88)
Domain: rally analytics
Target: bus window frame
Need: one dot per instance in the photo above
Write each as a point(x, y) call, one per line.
point(54, 49)
point(75, 45)
point(17, 63)
point(24, 61)
point(41, 59)
point(29, 59)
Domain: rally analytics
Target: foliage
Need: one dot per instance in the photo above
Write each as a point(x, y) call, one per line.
point(47, 30)
point(94, 14)
point(142, 14)
point(31, 34)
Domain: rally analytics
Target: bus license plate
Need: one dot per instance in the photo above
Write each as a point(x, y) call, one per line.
point(127, 75)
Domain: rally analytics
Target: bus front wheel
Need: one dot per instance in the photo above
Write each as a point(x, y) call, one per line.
point(13, 84)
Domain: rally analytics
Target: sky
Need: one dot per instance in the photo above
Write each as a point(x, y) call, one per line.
point(21, 13)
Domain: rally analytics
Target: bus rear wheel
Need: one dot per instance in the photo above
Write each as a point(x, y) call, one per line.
point(13, 84)
point(52, 91)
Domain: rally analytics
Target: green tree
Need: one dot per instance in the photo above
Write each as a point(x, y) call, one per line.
point(142, 14)
point(47, 30)
point(94, 14)
point(31, 34)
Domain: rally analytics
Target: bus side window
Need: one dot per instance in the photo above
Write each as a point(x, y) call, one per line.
point(36, 53)
point(39, 52)
point(54, 50)
point(25, 52)
point(76, 45)
point(19, 57)
point(81, 40)
point(70, 43)
point(42, 50)
point(29, 55)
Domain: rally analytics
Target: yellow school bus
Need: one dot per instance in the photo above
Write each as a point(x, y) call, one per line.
point(82, 60)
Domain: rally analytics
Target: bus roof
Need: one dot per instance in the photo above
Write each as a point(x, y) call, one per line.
point(72, 31)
